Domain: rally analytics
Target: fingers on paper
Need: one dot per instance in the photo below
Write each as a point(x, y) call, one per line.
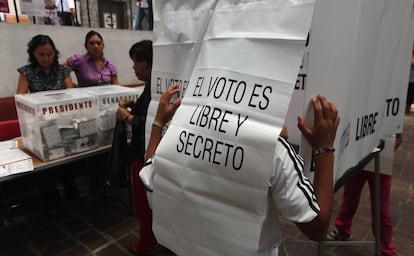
point(303, 127)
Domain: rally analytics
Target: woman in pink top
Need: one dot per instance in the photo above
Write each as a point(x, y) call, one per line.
point(93, 68)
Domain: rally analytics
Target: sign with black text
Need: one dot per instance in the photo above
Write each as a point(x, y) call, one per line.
point(355, 69)
point(217, 155)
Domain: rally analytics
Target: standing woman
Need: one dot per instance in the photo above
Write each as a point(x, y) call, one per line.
point(44, 71)
point(93, 68)
point(141, 54)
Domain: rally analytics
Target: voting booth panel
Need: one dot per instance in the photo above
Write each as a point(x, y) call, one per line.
point(240, 72)
point(179, 28)
point(354, 69)
point(230, 117)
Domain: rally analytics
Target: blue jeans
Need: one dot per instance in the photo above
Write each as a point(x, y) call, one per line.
point(139, 16)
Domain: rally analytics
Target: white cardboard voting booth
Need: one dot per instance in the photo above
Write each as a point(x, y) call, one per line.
point(210, 193)
point(359, 58)
point(214, 163)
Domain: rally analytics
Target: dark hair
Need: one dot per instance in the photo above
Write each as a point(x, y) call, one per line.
point(141, 51)
point(37, 41)
point(91, 34)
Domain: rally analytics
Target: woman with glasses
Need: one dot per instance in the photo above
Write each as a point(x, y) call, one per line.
point(93, 68)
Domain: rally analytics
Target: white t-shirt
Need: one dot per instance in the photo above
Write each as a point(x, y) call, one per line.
point(290, 193)
point(67, 5)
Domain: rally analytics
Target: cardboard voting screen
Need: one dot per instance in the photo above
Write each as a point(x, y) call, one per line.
point(354, 68)
point(207, 165)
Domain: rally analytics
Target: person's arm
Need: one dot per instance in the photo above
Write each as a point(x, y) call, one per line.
point(412, 58)
point(398, 141)
point(68, 83)
point(114, 79)
point(66, 63)
point(321, 136)
point(71, 6)
point(284, 133)
point(165, 111)
point(22, 85)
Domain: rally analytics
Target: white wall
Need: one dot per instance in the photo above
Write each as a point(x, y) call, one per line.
point(68, 40)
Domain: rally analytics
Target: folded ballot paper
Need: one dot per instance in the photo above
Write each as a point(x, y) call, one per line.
point(13, 160)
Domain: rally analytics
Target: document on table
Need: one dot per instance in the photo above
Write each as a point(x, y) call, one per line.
point(13, 161)
point(8, 144)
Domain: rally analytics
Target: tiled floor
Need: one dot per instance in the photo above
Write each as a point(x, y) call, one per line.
point(105, 225)
point(94, 226)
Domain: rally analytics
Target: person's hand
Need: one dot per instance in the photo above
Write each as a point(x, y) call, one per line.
point(326, 120)
point(126, 103)
point(122, 114)
point(284, 133)
point(165, 109)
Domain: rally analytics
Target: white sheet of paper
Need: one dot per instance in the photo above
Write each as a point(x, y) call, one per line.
point(14, 161)
point(8, 144)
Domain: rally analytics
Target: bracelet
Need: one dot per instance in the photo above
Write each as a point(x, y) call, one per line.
point(319, 151)
point(157, 124)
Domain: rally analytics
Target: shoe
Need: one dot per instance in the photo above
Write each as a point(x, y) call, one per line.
point(336, 235)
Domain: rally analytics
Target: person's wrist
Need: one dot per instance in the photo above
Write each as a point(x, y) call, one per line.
point(322, 150)
point(157, 124)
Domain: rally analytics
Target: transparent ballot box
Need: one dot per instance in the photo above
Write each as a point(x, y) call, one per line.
point(108, 97)
point(58, 123)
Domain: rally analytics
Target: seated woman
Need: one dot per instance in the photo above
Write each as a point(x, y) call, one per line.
point(42, 74)
point(93, 68)
point(44, 71)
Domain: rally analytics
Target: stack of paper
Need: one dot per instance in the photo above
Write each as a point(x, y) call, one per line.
point(13, 160)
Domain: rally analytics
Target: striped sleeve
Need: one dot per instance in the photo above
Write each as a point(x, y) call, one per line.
point(292, 193)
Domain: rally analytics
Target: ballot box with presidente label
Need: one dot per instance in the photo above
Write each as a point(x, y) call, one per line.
point(108, 97)
point(57, 123)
